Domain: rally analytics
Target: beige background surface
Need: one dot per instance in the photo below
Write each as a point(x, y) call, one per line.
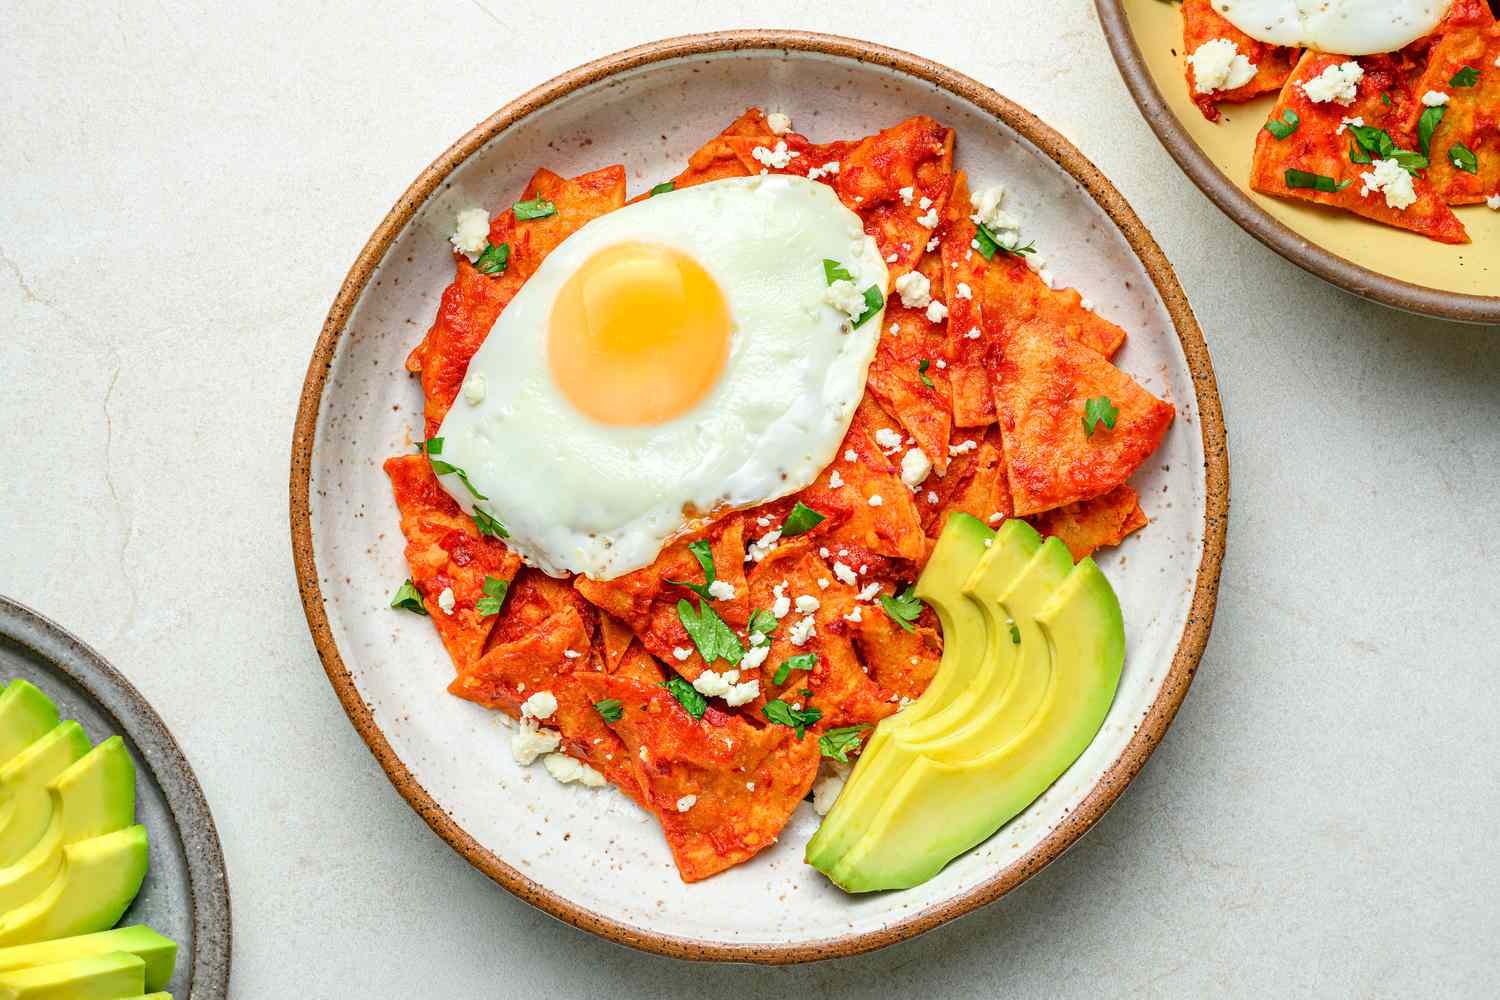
point(185, 188)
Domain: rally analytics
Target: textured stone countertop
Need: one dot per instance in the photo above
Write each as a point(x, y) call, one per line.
point(185, 187)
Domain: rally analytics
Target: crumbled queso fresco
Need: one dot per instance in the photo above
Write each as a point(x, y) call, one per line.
point(1339, 82)
point(1389, 178)
point(1219, 65)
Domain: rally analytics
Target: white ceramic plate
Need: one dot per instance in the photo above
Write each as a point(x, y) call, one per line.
point(590, 857)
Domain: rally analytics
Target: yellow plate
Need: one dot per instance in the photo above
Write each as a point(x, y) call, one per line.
point(1377, 262)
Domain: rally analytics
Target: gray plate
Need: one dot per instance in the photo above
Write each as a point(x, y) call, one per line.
point(186, 895)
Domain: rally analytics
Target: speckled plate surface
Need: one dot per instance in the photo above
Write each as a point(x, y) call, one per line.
point(185, 895)
point(1381, 263)
point(589, 857)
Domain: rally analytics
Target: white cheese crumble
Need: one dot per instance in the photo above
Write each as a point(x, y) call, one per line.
point(963, 446)
point(474, 389)
point(755, 655)
point(936, 311)
point(854, 616)
point(1344, 123)
point(1388, 177)
point(893, 258)
point(817, 173)
point(973, 333)
point(682, 652)
point(870, 592)
point(778, 157)
point(850, 455)
point(1493, 201)
point(779, 122)
point(567, 770)
point(888, 439)
point(987, 212)
point(721, 590)
point(875, 500)
point(932, 496)
point(446, 600)
point(835, 480)
point(906, 194)
point(762, 546)
point(806, 604)
point(1339, 82)
point(686, 802)
point(471, 233)
point(964, 291)
point(928, 219)
point(933, 244)
point(844, 573)
point(528, 742)
point(802, 630)
point(1218, 64)
point(915, 290)
point(1434, 98)
point(572, 654)
point(915, 465)
point(539, 706)
point(846, 297)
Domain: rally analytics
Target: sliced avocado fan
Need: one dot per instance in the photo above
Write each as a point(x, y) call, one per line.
point(100, 877)
point(94, 977)
point(25, 716)
point(159, 953)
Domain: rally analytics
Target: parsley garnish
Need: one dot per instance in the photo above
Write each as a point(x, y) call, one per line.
point(1373, 142)
point(1385, 98)
point(836, 743)
point(536, 208)
point(802, 519)
point(495, 590)
point(1285, 127)
point(783, 714)
point(434, 446)
point(1097, 409)
point(494, 260)
point(1303, 179)
point(1466, 77)
point(763, 624)
point(805, 661)
point(1015, 634)
point(409, 598)
point(705, 557)
point(1357, 155)
point(1463, 158)
point(922, 367)
point(714, 639)
point(488, 524)
point(663, 188)
point(903, 608)
point(834, 271)
point(687, 696)
point(610, 708)
point(874, 299)
point(1427, 124)
point(985, 242)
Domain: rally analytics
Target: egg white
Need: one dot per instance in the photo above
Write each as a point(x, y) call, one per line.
point(1344, 27)
point(583, 497)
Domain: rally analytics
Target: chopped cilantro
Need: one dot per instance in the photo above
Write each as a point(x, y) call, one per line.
point(762, 623)
point(834, 271)
point(1463, 158)
point(1357, 155)
point(536, 208)
point(1385, 98)
point(903, 608)
point(610, 708)
point(805, 661)
point(783, 714)
point(495, 590)
point(874, 299)
point(1317, 182)
point(494, 260)
point(434, 446)
point(409, 598)
point(1466, 77)
point(489, 524)
point(1374, 143)
point(922, 367)
point(1015, 634)
point(1286, 126)
point(705, 557)
point(1097, 409)
point(985, 242)
point(802, 519)
point(687, 696)
point(836, 743)
point(714, 639)
point(663, 188)
point(1427, 124)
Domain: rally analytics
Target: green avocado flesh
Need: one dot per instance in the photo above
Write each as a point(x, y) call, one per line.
point(95, 977)
point(157, 952)
point(99, 879)
point(1052, 644)
point(92, 797)
point(25, 806)
point(26, 715)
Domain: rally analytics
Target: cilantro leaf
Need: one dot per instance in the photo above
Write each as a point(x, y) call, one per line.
point(874, 299)
point(434, 446)
point(663, 188)
point(985, 242)
point(536, 208)
point(922, 367)
point(409, 598)
point(1427, 124)
point(836, 743)
point(715, 640)
point(1463, 158)
point(1466, 77)
point(488, 524)
point(705, 557)
point(903, 608)
point(834, 271)
point(1409, 161)
point(1015, 634)
point(762, 623)
point(782, 714)
point(802, 519)
point(1286, 126)
point(494, 260)
point(610, 708)
point(495, 590)
point(1385, 98)
point(1375, 141)
point(1098, 409)
point(1357, 155)
point(805, 661)
point(1317, 182)
point(687, 696)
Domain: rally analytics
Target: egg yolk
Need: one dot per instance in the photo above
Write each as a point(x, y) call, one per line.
point(638, 335)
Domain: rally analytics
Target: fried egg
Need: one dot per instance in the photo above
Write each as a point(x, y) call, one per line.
point(1344, 27)
point(687, 353)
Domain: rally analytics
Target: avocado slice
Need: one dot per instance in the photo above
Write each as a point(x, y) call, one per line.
point(152, 996)
point(100, 878)
point(959, 548)
point(1083, 632)
point(94, 977)
point(92, 797)
point(27, 808)
point(25, 716)
point(158, 952)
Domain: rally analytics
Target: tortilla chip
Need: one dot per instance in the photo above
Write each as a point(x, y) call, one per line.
point(806, 156)
point(898, 380)
point(646, 600)
point(1469, 39)
point(916, 154)
point(721, 788)
point(616, 638)
point(717, 159)
point(1041, 385)
point(1093, 524)
point(889, 527)
point(975, 484)
point(640, 665)
point(579, 200)
point(1318, 147)
point(1273, 63)
point(444, 550)
point(900, 662)
point(510, 673)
